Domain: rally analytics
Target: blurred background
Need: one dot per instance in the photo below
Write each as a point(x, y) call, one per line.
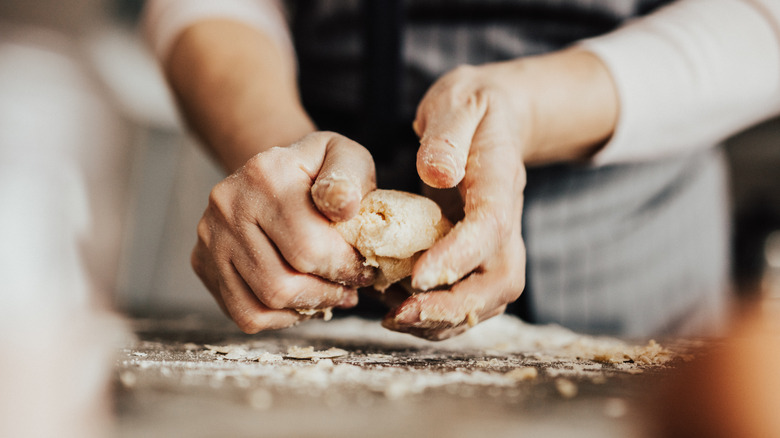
point(79, 87)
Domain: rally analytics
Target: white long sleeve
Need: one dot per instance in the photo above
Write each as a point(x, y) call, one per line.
point(691, 74)
point(164, 20)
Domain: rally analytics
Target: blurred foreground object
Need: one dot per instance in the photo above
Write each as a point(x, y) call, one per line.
point(732, 390)
point(58, 141)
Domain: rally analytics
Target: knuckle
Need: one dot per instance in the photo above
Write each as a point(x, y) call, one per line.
point(361, 151)
point(271, 169)
point(220, 204)
point(474, 101)
point(260, 169)
point(479, 97)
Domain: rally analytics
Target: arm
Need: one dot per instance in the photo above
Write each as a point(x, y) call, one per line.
point(232, 67)
point(237, 90)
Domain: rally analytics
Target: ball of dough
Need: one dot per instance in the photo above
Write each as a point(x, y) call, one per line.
point(391, 229)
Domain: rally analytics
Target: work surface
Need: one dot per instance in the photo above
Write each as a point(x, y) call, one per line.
point(350, 377)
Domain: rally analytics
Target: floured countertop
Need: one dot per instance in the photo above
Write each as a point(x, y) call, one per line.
point(351, 377)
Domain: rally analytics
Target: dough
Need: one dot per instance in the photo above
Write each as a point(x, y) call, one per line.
point(295, 352)
point(391, 229)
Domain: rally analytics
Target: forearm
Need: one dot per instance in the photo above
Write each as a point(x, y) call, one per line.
point(572, 104)
point(236, 89)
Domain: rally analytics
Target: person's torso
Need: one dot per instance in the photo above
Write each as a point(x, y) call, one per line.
point(623, 249)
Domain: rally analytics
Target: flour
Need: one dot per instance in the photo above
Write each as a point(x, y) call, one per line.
point(502, 357)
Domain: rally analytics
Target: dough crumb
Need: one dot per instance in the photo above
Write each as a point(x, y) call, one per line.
point(222, 349)
point(236, 354)
point(266, 357)
point(308, 353)
point(650, 354)
point(326, 314)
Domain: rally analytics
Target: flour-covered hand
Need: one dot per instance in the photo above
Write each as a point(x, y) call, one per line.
point(479, 127)
point(266, 250)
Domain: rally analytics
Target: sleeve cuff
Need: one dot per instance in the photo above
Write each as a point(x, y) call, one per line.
point(690, 75)
point(164, 20)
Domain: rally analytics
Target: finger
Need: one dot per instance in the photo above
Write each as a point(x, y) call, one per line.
point(346, 175)
point(492, 192)
point(277, 285)
point(483, 294)
point(447, 119)
point(310, 245)
point(468, 302)
point(443, 314)
point(439, 333)
point(249, 314)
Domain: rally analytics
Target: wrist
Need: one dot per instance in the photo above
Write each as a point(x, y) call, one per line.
point(572, 106)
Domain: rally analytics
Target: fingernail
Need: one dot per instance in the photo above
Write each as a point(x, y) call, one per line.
point(443, 163)
point(408, 314)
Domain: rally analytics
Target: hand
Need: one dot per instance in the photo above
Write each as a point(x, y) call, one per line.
point(478, 128)
point(265, 249)
point(472, 135)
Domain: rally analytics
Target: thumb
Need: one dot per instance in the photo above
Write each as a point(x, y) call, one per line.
point(446, 125)
point(346, 175)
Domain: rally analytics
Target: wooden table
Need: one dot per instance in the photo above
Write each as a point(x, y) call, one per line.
point(200, 378)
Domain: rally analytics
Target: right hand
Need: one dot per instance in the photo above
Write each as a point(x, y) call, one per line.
point(264, 249)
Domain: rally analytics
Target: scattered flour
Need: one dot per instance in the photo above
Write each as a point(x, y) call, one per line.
point(501, 354)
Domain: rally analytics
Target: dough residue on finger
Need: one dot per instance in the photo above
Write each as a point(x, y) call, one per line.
point(391, 230)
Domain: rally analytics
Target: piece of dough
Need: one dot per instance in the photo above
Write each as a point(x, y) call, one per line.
point(391, 229)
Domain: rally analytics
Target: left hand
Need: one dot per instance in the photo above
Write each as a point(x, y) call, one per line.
point(478, 128)
point(471, 137)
